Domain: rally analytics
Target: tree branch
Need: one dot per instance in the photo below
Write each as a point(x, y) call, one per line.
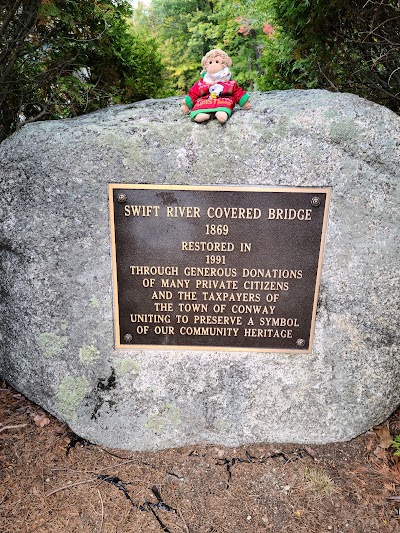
point(9, 17)
point(19, 125)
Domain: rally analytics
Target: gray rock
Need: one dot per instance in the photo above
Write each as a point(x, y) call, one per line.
point(56, 314)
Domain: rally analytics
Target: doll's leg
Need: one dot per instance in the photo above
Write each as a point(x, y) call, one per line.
point(221, 116)
point(201, 117)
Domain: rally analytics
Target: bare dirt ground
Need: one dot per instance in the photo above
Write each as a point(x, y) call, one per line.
point(50, 482)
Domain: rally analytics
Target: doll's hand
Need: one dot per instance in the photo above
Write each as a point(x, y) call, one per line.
point(185, 108)
point(247, 105)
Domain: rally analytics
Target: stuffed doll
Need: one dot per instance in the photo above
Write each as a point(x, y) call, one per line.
point(215, 93)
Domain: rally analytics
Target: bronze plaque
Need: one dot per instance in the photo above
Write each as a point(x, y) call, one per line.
point(216, 268)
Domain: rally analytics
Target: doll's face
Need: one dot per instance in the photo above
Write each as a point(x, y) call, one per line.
point(215, 64)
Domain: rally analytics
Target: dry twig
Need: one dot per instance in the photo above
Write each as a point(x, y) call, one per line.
point(13, 427)
point(70, 485)
point(178, 509)
point(102, 511)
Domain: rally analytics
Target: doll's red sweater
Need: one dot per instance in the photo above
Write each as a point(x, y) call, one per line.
point(200, 100)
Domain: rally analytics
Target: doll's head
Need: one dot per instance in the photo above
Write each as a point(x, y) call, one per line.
point(222, 94)
point(215, 61)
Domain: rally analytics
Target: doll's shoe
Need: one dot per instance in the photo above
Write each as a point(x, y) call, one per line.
point(221, 116)
point(201, 117)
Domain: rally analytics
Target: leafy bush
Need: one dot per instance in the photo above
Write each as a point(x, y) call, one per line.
point(62, 58)
point(338, 45)
point(396, 445)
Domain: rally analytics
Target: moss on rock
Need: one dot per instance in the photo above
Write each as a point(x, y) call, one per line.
point(88, 353)
point(70, 394)
point(51, 344)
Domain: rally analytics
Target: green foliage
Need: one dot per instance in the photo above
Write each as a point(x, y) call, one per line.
point(339, 45)
point(281, 44)
point(396, 445)
point(183, 27)
point(75, 57)
point(187, 30)
point(62, 58)
point(276, 62)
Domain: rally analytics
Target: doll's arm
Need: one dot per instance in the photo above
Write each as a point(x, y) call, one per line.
point(189, 100)
point(185, 108)
point(241, 97)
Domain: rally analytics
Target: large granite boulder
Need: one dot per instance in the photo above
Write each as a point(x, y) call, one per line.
point(57, 343)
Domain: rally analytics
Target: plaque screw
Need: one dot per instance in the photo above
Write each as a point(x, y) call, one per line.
point(300, 343)
point(315, 201)
point(121, 198)
point(128, 337)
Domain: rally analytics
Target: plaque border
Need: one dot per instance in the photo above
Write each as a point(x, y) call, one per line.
point(233, 188)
